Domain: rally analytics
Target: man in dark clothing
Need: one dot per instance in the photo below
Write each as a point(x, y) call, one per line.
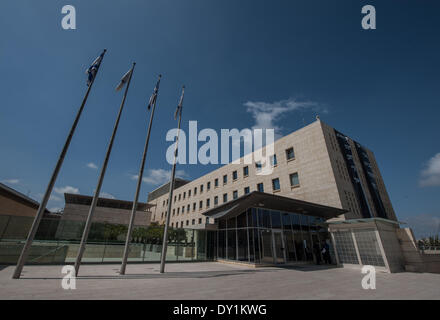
point(326, 253)
point(317, 253)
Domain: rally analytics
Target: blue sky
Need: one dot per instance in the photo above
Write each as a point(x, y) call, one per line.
point(380, 86)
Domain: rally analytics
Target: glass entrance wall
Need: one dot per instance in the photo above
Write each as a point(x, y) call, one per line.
point(260, 235)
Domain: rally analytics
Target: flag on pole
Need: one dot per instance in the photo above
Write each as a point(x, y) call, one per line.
point(154, 95)
point(179, 106)
point(124, 80)
point(93, 69)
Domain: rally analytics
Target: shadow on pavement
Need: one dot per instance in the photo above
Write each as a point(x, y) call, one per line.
point(174, 275)
point(308, 267)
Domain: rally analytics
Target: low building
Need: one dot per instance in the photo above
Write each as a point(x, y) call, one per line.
point(14, 203)
point(108, 211)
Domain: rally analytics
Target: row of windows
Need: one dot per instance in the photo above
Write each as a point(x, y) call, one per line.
point(193, 222)
point(290, 155)
point(294, 182)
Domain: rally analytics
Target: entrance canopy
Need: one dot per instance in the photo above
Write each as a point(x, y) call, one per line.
point(265, 200)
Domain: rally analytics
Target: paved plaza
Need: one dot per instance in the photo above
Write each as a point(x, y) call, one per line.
point(211, 280)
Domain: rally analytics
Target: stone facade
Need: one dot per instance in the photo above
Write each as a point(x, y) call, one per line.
point(318, 161)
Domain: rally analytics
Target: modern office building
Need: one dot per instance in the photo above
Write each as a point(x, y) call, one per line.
point(324, 186)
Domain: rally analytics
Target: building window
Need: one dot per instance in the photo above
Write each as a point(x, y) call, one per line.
point(208, 185)
point(174, 211)
point(290, 154)
point(225, 197)
point(201, 188)
point(194, 206)
point(260, 187)
point(193, 222)
point(234, 175)
point(163, 204)
point(225, 179)
point(207, 220)
point(181, 224)
point(273, 160)
point(184, 195)
point(216, 182)
point(246, 190)
point(235, 194)
point(180, 196)
point(207, 203)
point(216, 200)
point(189, 193)
point(276, 184)
point(188, 208)
point(200, 205)
point(172, 224)
point(258, 166)
point(200, 220)
point(195, 190)
point(183, 209)
point(245, 171)
point(187, 222)
point(178, 211)
point(294, 180)
point(175, 197)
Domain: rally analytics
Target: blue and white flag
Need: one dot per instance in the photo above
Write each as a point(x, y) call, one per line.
point(154, 95)
point(180, 105)
point(93, 69)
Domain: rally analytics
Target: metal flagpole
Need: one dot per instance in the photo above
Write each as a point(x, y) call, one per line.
point(25, 251)
point(173, 173)
point(100, 180)
point(139, 182)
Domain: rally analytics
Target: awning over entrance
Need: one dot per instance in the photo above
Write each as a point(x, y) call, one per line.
point(264, 200)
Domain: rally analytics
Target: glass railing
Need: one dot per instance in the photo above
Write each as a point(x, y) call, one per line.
point(57, 242)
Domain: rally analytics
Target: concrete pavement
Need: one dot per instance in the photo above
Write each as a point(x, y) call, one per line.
point(211, 280)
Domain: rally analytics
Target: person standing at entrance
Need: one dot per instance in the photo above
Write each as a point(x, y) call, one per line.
point(317, 252)
point(326, 253)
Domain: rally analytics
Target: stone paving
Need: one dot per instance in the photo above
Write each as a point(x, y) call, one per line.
point(211, 280)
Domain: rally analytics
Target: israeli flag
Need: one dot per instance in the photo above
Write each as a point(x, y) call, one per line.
point(93, 69)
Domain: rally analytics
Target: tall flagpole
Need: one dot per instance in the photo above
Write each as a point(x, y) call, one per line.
point(100, 180)
point(170, 197)
point(25, 251)
point(139, 183)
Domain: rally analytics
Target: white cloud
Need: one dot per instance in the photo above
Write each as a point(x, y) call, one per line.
point(53, 197)
point(11, 181)
point(107, 195)
point(430, 175)
point(266, 114)
point(66, 189)
point(55, 209)
point(160, 176)
point(91, 165)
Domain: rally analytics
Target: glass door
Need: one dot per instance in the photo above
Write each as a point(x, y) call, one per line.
point(278, 244)
point(267, 247)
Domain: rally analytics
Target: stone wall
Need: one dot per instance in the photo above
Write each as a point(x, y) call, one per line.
point(415, 260)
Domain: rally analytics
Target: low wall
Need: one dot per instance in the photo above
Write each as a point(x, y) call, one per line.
point(415, 260)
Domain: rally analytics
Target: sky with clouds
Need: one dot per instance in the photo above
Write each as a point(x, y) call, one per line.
point(245, 64)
